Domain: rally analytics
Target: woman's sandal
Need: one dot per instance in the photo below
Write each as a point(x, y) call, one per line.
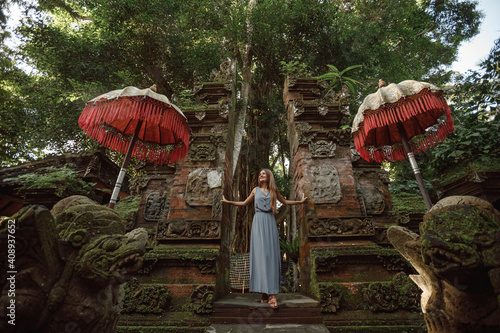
point(264, 298)
point(273, 302)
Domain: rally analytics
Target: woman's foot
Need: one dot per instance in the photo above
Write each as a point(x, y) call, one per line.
point(273, 302)
point(264, 298)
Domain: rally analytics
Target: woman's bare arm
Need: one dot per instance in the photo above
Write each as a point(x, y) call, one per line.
point(290, 202)
point(240, 203)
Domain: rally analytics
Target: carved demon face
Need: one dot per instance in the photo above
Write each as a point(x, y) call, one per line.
point(111, 259)
point(454, 240)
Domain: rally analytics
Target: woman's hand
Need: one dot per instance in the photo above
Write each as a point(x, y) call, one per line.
point(304, 198)
point(224, 199)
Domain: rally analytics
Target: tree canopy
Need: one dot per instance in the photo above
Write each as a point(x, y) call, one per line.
point(79, 49)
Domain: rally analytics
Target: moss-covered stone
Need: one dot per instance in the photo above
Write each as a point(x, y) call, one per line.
point(469, 170)
point(399, 294)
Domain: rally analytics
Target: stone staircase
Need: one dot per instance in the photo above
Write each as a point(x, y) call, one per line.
point(244, 313)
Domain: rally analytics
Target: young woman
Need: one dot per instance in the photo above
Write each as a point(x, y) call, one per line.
point(265, 258)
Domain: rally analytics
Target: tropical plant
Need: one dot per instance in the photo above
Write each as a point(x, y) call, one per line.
point(290, 248)
point(338, 80)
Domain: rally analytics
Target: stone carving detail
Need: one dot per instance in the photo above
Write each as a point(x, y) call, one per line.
point(326, 184)
point(342, 137)
point(322, 148)
point(370, 199)
point(322, 108)
point(306, 138)
point(398, 294)
point(326, 264)
point(218, 140)
point(329, 299)
point(354, 154)
point(94, 166)
point(223, 74)
point(298, 107)
point(302, 126)
point(320, 227)
point(198, 192)
point(70, 269)
point(156, 206)
point(216, 205)
point(185, 229)
point(144, 299)
point(224, 109)
point(202, 299)
point(219, 128)
point(202, 152)
point(456, 257)
point(200, 115)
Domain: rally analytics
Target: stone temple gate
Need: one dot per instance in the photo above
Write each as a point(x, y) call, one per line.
point(347, 266)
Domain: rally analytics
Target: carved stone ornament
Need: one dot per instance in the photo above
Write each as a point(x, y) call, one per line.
point(202, 299)
point(200, 115)
point(298, 107)
point(217, 205)
point(152, 299)
point(302, 126)
point(329, 299)
point(156, 203)
point(371, 199)
point(218, 140)
point(219, 129)
point(202, 152)
point(223, 74)
point(354, 154)
point(306, 138)
point(70, 265)
point(188, 229)
point(322, 108)
point(224, 109)
point(322, 148)
point(399, 294)
point(342, 137)
point(338, 227)
point(198, 192)
point(326, 184)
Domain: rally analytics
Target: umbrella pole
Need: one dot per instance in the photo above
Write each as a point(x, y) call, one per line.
point(414, 165)
point(123, 170)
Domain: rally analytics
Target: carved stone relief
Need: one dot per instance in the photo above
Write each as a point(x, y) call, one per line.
point(326, 184)
point(219, 128)
point(200, 115)
point(342, 137)
point(306, 138)
point(302, 126)
point(321, 227)
point(224, 109)
point(370, 197)
point(185, 229)
point(216, 204)
point(322, 148)
point(218, 140)
point(298, 107)
point(156, 206)
point(202, 152)
point(198, 192)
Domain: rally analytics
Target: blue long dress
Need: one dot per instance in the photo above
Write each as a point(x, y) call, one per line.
point(265, 260)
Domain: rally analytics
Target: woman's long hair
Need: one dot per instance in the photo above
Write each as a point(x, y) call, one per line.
point(271, 184)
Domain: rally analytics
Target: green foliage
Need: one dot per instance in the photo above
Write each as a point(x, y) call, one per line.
point(290, 248)
point(295, 68)
point(64, 180)
point(338, 80)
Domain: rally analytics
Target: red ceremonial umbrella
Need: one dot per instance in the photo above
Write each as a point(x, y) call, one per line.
point(138, 123)
point(400, 120)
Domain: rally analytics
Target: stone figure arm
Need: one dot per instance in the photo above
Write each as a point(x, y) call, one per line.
point(290, 202)
point(240, 203)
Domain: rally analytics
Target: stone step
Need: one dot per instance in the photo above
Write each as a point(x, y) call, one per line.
point(247, 309)
point(271, 328)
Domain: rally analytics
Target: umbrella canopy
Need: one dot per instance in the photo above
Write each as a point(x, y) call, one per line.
point(418, 106)
point(112, 118)
point(138, 123)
